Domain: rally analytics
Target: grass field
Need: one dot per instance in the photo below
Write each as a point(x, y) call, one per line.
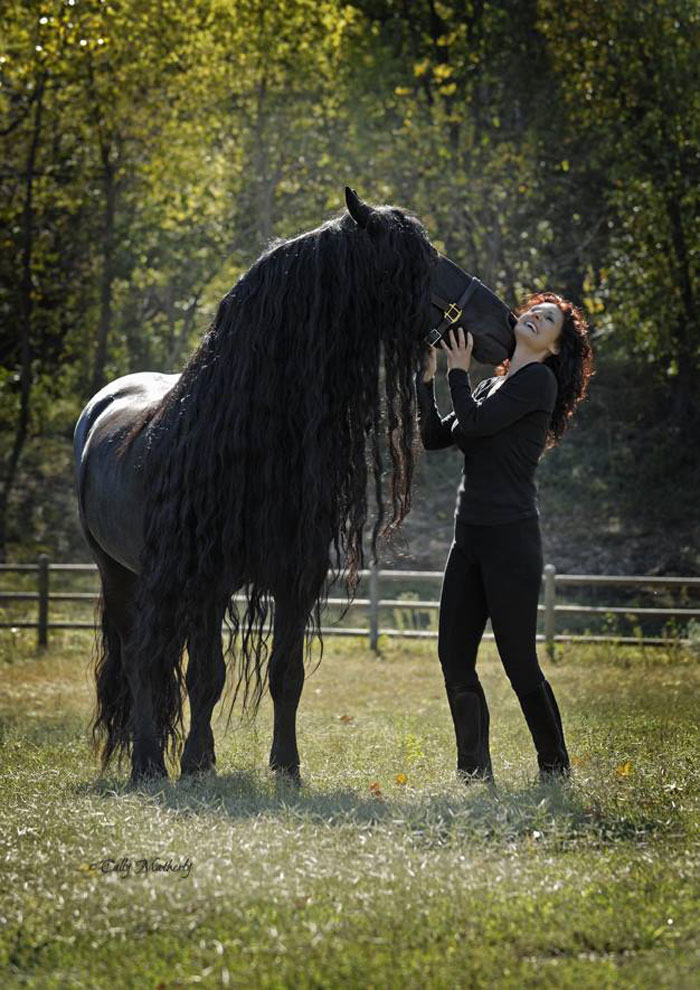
point(383, 871)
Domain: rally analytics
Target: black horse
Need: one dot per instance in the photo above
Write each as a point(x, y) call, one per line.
point(249, 472)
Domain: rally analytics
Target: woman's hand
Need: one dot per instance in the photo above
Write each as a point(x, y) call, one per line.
point(430, 365)
point(459, 351)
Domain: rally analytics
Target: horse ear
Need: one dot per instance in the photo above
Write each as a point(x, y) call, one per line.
point(357, 209)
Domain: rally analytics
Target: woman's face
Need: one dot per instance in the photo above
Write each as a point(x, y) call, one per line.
point(539, 329)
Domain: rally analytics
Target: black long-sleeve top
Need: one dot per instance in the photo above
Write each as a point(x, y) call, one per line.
point(501, 430)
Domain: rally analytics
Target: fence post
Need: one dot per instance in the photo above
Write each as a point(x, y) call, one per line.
point(43, 581)
point(373, 607)
point(549, 604)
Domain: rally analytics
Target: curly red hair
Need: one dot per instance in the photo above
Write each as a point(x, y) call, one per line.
point(573, 365)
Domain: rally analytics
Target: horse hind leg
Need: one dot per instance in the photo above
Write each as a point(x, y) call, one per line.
point(205, 679)
point(153, 689)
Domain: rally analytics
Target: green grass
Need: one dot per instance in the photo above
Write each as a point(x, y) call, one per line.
point(383, 871)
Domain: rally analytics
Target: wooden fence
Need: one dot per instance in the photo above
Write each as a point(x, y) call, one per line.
point(43, 596)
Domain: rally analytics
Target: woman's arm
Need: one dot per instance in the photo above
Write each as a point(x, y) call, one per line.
point(435, 432)
point(533, 387)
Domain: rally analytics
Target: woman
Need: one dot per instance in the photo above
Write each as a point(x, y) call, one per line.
point(494, 567)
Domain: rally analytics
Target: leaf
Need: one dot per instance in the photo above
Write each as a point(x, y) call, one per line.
point(420, 68)
point(442, 71)
point(624, 769)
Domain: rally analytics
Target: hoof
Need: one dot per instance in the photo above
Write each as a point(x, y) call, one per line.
point(288, 775)
point(204, 764)
point(197, 771)
point(554, 775)
point(477, 775)
point(149, 773)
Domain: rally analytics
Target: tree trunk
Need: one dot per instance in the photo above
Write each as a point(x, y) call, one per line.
point(25, 322)
point(105, 323)
point(686, 329)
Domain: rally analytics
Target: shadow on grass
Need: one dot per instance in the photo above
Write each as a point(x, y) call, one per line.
point(437, 814)
point(477, 812)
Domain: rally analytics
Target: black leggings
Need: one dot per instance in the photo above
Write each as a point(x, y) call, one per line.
point(496, 572)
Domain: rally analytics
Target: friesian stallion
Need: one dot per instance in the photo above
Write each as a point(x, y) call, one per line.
point(250, 473)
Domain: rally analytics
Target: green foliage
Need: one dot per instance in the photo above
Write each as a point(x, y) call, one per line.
point(153, 149)
point(630, 77)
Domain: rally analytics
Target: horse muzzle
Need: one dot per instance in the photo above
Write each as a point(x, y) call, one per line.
point(460, 299)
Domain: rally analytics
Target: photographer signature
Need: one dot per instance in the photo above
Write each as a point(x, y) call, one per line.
point(126, 867)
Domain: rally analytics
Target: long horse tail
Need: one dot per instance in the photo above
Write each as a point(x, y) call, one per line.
point(110, 725)
point(167, 681)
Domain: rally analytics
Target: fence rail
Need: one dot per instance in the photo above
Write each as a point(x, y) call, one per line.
point(43, 597)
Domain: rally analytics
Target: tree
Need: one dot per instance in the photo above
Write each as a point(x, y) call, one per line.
point(630, 74)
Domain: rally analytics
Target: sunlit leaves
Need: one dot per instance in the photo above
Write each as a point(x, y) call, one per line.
point(630, 74)
point(226, 123)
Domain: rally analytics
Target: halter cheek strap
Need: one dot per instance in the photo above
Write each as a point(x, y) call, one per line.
point(451, 311)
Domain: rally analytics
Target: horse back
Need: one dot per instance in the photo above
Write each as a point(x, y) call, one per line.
point(108, 474)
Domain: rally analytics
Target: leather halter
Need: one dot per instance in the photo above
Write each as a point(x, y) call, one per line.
point(451, 311)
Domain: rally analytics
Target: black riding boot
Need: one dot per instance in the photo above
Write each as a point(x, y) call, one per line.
point(470, 715)
point(544, 722)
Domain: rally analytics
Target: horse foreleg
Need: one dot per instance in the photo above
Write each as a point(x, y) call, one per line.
point(205, 678)
point(286, 678)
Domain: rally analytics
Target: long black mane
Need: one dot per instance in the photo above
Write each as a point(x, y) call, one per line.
point(260, 459)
